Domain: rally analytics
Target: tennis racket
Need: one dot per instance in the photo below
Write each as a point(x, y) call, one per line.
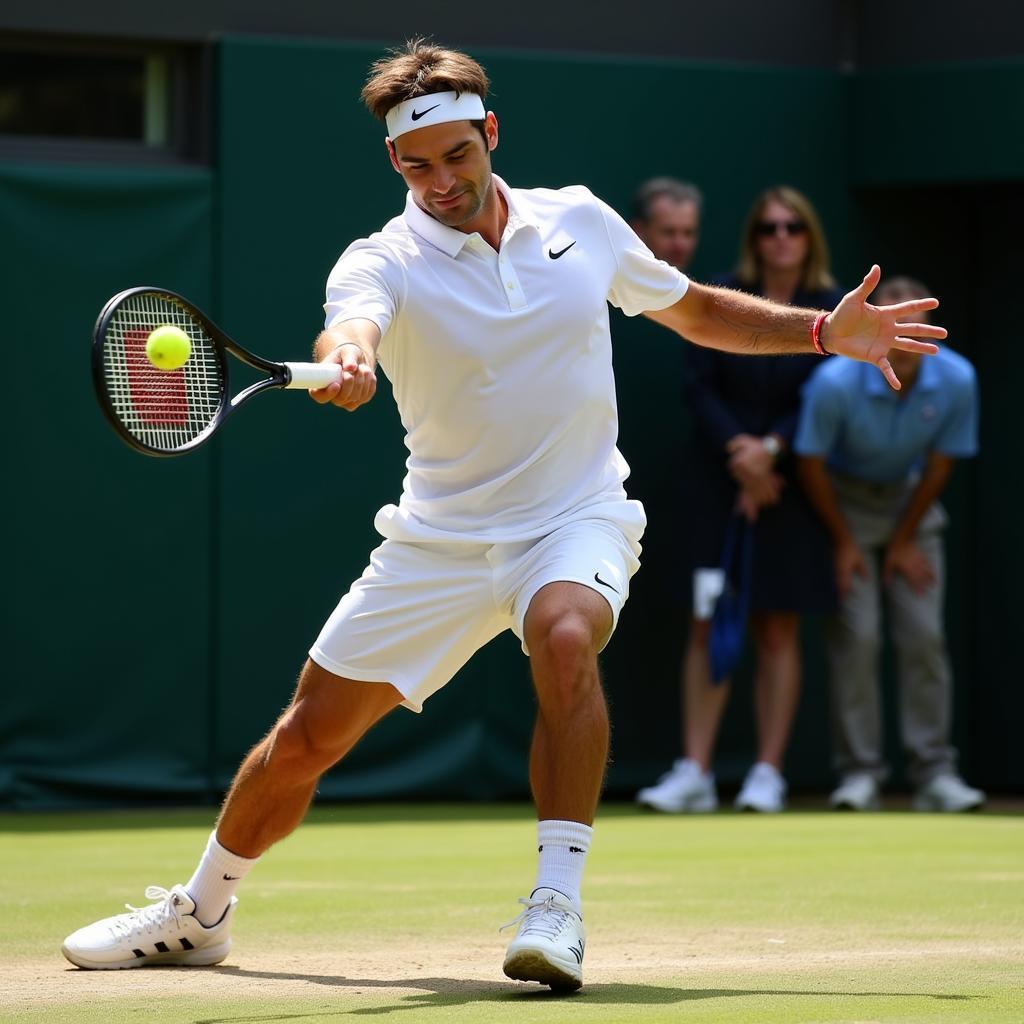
point(170, 412)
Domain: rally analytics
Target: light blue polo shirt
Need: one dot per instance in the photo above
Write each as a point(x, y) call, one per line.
point(866, 430)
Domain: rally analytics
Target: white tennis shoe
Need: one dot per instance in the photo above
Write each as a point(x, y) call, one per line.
point(856, 792)
point(684, 788)
point(764, 790)
point(165, 932)
point(949, 794)
point(549, 945)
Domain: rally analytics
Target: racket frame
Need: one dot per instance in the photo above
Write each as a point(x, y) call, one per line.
point(280, 375)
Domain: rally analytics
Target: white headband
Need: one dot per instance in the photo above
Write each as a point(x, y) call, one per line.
point(434, 109)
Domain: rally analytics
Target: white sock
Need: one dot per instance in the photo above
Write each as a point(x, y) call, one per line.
point(216, 880)
point(562, 846)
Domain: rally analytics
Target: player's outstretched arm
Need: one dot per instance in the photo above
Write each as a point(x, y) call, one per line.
point(353, 346)
point(736, 322)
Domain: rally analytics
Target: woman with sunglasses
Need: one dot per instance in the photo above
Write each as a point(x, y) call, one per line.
point(745, 411)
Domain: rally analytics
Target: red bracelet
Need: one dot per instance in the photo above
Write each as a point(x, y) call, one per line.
point(816, 334)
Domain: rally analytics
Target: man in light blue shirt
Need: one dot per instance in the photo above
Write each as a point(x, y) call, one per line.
point(874, 462)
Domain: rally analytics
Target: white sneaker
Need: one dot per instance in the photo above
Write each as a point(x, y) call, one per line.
point(764, 790)
point(684, 787)
point(948, 793)
point(856, 792)
point(165, 932)
point(549, 945)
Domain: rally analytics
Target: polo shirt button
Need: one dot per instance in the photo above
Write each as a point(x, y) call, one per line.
point(510, 286)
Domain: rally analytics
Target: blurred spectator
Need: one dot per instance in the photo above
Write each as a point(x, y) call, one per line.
point(746, 408)
point(874, 462)
point(666, 216)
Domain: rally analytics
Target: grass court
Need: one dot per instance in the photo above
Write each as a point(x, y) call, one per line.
point(393, 912)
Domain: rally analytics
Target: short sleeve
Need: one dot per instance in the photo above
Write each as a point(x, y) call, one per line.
point(958, 436)
point(641, 282)
point(821, 415)
point(364, 284)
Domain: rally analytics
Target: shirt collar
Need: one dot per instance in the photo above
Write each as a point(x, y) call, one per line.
point(451, 240)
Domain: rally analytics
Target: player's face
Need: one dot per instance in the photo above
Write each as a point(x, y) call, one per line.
point(782, 242)
point(448, 169)
point(671, 231)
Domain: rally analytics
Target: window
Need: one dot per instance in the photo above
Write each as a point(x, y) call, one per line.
point(96, 102)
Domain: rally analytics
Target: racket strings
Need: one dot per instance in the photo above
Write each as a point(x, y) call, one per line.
point(163, 409)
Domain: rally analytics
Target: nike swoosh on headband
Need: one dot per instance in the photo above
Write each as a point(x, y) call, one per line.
point(417, 114)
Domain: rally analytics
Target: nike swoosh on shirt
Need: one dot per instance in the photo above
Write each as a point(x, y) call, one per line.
point(597, 579)
point(417, 114)
point(561, 252)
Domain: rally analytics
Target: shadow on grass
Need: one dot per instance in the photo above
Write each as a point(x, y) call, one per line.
point(448, 992)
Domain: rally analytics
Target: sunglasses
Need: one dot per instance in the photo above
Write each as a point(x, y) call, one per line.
point(770, 228)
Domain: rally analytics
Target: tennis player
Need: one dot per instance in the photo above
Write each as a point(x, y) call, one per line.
point(487, 307)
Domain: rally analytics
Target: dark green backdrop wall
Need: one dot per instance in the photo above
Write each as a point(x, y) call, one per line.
point(158, 611)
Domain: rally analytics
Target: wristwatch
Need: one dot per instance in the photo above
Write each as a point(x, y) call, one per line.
point(772, 445)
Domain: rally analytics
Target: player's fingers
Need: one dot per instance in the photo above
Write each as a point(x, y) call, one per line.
point(343, 394)
point(325, 394)
point(922, 330)
point(911, 307)
point(889, 373)
point(870, 282)
point(925, 348)
point(364, 383)
point(357, 389)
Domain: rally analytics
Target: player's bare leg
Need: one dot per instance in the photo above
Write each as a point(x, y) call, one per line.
point(275, 784)
point(565, 626)
point(191, 924)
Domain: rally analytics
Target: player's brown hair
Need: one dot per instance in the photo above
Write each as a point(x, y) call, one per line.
point(817, 274)
point(417, 69)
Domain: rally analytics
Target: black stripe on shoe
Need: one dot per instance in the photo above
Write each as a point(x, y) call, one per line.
point(138, 954)
point(161, 947)
point(185, 944)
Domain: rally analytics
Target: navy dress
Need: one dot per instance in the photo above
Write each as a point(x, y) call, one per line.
point(731, 394)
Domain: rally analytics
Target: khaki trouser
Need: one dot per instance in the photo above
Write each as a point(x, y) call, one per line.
point(854, 636)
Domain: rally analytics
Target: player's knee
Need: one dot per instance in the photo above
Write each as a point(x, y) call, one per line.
point(292, 750)
point(565, 652)
point(568, 639)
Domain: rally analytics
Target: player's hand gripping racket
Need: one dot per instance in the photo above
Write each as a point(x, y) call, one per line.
point(170, 412)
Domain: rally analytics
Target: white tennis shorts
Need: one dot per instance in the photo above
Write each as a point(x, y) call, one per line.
point(420, 611)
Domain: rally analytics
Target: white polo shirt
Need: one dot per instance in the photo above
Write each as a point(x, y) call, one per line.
point(501, 362)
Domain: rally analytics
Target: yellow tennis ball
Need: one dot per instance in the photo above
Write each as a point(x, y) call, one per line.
point(168, 347)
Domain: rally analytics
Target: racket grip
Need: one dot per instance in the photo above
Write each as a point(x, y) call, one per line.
point(313, 375)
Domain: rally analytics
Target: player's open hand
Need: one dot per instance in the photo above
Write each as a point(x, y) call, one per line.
point(358, 382)
point(861, 331)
